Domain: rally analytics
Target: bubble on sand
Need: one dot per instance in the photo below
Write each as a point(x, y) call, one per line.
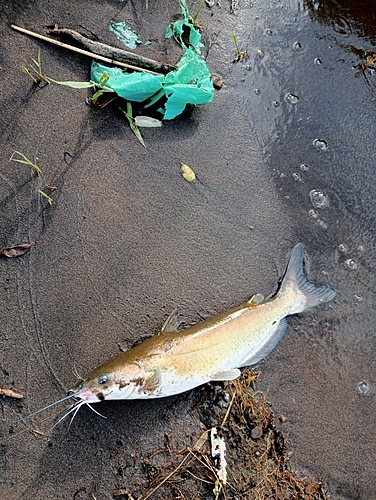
point(317, 61)
point(304, 167)
point(351, 264)
point(342, 248)
point(320, 144)
point(319, 199)
point(291, 98)
point(363, 388)
point(297, 177)
point(313, 214)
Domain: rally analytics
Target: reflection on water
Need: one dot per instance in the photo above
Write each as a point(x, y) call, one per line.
point(346, 15)
point(315, 118)
point(351, 17)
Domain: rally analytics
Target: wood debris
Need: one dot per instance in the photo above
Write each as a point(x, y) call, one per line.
point(10, 393)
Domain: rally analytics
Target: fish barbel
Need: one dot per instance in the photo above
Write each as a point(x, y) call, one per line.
point(172, 362)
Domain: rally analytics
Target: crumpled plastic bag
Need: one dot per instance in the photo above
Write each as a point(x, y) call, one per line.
point(190, 83)
point(177, 29)
point(135, 86)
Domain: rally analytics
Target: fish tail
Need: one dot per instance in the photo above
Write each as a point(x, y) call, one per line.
point(308, 294)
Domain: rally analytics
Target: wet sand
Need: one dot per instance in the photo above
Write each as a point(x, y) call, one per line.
point(127, 240)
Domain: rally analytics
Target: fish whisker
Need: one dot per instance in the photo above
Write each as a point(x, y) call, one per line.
point(70, 396)
point(74, 408)
point(95, 411)
point(76, 374)
point(77, 407)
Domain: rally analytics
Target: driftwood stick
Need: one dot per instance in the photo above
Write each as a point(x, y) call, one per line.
point(81, 51)
point(115, 53)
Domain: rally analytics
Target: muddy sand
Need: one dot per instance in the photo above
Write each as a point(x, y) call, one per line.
point(284, 153)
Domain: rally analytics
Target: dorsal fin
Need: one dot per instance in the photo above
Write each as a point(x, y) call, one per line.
point(172, 323)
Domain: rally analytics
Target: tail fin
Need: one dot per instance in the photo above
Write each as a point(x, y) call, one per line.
point(308, 294)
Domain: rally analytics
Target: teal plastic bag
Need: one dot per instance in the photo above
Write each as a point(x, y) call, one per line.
point(190, 83)
point(136, 86)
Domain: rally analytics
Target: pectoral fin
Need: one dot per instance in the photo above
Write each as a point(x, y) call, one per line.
point(172, 323)
point(227, 375)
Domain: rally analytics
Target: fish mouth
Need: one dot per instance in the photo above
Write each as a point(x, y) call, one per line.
point(81, 397)
point(87, 396)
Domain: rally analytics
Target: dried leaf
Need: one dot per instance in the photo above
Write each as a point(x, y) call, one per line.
point(10, 393)
point(201, 440)
point(16, 250)
point(187, 173)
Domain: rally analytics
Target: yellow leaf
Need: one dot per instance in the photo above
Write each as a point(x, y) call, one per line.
point(187, 173)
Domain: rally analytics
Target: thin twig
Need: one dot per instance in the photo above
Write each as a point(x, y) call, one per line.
point(228, 410)
point(188, 455)
point(166, 478)
point(81, 51)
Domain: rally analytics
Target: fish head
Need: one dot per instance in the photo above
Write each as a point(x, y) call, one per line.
point(94, 389)
point(132, 381)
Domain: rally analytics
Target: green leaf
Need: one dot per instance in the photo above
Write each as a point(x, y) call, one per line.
point(25, 161)
point(104, 78)
point(45, 195)
point(134, 127)
point(76, 85)
point(130, 119)
point(96, 95)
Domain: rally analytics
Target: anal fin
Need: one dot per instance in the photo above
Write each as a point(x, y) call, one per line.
point(279, 331)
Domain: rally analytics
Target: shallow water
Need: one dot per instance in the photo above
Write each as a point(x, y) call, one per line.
point(320, 150)
point(285, 153)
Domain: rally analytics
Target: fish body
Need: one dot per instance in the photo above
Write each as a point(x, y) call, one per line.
point(172, 362)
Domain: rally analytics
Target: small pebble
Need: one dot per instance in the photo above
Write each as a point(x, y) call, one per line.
point(256, 433)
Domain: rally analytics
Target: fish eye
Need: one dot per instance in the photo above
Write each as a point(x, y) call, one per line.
point(103, 378)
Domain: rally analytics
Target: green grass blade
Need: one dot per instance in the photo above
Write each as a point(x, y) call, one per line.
point(75, 85)
point(128, 114)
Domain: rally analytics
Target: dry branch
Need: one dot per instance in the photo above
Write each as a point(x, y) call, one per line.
point(109, 60)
